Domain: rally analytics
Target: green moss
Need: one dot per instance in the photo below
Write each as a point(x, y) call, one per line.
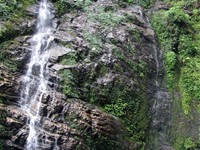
point(92, 139)
point(125, 56)
point(72, 121)
point(6, 59)
point(124, 96)
point(120, 100)
point(136, 35)
point(68, 83)
point(69, 59)
point(189, 83)
point(117, 67)
point(100, 142)
point(178, 143)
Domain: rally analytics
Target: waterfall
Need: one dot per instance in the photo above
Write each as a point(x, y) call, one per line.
point(159, 130)
point(35, 81)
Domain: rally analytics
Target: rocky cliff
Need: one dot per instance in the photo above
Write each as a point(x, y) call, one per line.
point(107, 79)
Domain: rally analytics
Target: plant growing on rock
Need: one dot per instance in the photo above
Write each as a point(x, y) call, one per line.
point(176, 33)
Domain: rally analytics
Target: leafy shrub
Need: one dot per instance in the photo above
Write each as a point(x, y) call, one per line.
point(95, 43)
point(105, 17)
point(69, 59)
point(65, 6)
point(144, 3)
point(117, 109)
point(68, 82)
point(189, 144)
point(13, 8)
point(170, 66)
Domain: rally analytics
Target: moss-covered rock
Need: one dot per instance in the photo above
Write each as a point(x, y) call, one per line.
point(114, 62)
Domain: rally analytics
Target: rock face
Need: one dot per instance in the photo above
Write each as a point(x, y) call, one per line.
point(103, 59)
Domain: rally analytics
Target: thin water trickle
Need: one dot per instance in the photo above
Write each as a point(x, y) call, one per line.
point(34, 84)
point(156, 60)
point(159, 131)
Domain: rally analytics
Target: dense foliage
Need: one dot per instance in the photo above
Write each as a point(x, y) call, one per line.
point(178, 33)
point(13, 8)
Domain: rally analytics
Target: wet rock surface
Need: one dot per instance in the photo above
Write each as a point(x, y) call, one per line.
point(69, 121)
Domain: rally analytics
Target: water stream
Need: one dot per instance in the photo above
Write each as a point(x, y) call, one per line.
point(159, 130)
point(160, 102)
point(36, 77)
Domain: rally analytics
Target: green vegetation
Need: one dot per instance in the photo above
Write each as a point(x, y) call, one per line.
point(93, 140)
point(100, 142)
point(124, 100)
point(13, 8)
point(64, 6)
point(11, 13)
point(105, 143)
point(5, 58)
point(95, 43)
point(118, 109)
point(178, 33)
point(170, 67)
point(189, 144)
point(68, 83)
point(143, 3)
point(69, 59)
point(8, 31)
point(123, 97)
point(104, 16)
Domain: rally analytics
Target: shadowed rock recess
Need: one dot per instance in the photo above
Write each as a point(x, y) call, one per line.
point(106, 81)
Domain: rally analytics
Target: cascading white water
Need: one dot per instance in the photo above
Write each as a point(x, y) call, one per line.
point(36, 78)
